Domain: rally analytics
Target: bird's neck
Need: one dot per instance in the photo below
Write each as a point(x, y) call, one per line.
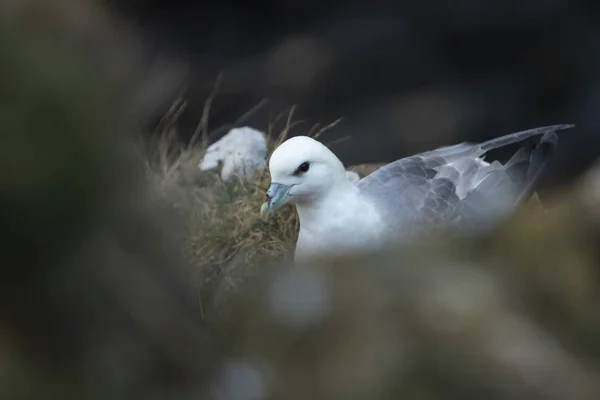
point(338, 200)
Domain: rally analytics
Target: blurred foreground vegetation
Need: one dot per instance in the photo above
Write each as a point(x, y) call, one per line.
point(128, 273)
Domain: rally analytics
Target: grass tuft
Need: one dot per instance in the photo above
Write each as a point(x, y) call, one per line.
point(226, 241)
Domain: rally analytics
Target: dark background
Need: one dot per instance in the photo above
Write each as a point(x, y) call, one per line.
point(405, 75)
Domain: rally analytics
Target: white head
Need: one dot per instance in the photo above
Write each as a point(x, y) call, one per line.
point(302, 170)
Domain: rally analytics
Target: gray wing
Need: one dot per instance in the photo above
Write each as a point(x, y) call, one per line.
point(453, 185)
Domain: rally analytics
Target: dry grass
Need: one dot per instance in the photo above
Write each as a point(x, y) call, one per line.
point(227, 240)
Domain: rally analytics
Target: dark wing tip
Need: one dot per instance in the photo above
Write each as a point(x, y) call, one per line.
point(522, 135)
point(550, 137)
point(554, 128)
point(560, 127)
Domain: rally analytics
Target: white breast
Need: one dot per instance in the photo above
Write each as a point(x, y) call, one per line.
point(348, 224)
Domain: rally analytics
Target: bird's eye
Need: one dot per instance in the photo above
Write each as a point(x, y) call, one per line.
point(303, 167)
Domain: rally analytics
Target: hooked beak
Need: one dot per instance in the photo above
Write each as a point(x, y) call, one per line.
point(275, 198)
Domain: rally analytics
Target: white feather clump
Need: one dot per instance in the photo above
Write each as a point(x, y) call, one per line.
point(241, 152)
